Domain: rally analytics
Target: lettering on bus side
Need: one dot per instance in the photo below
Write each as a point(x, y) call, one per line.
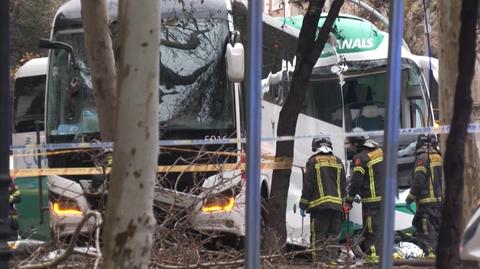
point(214, 137)
point(363, 43)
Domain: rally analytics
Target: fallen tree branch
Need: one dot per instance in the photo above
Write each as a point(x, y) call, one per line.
point(68, 251)
point(233, 262)
point(416, 262)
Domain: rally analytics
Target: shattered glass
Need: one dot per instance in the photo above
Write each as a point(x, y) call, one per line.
point(194, 93)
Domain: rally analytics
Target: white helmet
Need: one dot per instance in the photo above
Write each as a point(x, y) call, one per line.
point(323, 145)
point(362, 139)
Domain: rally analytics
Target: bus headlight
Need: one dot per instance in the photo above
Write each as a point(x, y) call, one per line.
point(223, 201)
point(218, 204)
point(66, 207)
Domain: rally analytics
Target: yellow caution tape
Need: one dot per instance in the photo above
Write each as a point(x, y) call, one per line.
point(163, 149)
point(33, 172)
point(73, 171)
point(232, 154)
point(50, 153)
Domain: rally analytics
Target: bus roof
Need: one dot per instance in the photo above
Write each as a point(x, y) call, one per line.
point(34, 67)
point(69, 14)
point(356, 39)
point(353, 34)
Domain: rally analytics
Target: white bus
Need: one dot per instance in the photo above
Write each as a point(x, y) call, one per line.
point(361, 50)
point(28, 116)
point(199, 100)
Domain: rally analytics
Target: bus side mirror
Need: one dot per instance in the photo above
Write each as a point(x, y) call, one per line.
point(48, 44)
point(425, 63)
point(235, 59)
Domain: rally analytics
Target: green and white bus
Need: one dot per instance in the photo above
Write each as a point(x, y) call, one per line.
point(200, 99)
point(28, 117)
point(335, 104)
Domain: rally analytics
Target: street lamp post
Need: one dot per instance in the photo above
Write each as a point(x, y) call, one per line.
point(254, 67)
point(391, 130)
point(5, 134)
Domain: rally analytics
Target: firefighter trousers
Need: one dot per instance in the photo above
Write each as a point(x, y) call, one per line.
point(325, 228)
point(371, 230)
point(427, 225)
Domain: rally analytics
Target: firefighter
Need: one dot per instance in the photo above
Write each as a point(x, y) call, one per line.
point(14, 198)
point(322, 195)
point(367, 176)
point(426, 192)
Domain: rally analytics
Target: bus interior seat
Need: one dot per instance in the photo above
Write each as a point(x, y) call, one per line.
point(381, 112)
point(357, 95)
point(350, 114)
point(337, 115)
point(369, 118)
point(355, 112)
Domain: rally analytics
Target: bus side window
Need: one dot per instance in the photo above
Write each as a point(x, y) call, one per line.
point(417, 97)
point(277, 93)
point(416, 113)
point(323, 101)
point(28, 106)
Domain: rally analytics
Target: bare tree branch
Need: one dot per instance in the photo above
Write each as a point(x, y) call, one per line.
point(70, 249)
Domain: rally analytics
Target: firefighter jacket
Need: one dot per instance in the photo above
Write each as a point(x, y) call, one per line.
point(427, 180)
point(367, 176)
point(14, 198)
point(323, 184)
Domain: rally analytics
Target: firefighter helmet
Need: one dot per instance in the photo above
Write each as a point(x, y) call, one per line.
point(323, 145)
point(426, 140)
point(361, 139)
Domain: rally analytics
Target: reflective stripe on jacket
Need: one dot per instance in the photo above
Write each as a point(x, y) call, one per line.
point(427, 180)
point(323, 183)
point(14, 193)
point(367, 175)
point(14, 198)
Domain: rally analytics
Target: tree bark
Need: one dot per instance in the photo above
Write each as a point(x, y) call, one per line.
point(129, 226)
point(454, 162)
point(471, 196)
point(308, 52)
point(472, 160)
point(98, 46)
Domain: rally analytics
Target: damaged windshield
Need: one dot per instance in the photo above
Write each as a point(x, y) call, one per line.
point(193, 83)
point(193, 91)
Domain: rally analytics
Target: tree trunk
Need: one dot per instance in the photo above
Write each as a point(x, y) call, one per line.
point(471, 196)
point(472, 160)
point(472, 167)
point(98, 46)
point(454, 162)
point(129, 226)
point(308, 52)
